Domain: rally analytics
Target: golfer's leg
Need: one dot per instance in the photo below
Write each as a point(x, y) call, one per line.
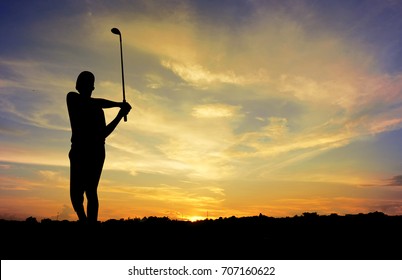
point(77, 189)
point(77, 200)
point(77, 197)
point(92, 188)
point(93, 204)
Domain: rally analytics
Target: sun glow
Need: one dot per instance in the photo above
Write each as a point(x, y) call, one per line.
point(195, 218)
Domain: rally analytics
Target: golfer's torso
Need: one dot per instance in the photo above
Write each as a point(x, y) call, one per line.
point(88, 125)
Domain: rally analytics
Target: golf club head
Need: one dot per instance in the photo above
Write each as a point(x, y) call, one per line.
point(116, 31)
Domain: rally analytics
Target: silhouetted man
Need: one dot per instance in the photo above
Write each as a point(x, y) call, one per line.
point(87, 154)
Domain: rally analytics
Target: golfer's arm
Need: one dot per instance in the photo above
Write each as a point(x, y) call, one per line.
point(112, 125)
point(104, 103)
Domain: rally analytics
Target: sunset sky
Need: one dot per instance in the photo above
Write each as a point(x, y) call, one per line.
point(239, 107)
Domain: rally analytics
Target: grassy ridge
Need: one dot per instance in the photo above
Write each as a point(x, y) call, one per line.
point(310, 236)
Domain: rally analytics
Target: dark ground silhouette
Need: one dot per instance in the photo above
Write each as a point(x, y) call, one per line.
point(309, 236)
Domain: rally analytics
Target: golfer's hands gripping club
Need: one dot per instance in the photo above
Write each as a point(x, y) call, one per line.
point(125, 108)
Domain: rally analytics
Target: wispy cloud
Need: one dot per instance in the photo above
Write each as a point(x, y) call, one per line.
point(395, 181)
point(214, 111)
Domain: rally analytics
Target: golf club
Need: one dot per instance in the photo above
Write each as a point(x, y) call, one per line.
point(117, 32)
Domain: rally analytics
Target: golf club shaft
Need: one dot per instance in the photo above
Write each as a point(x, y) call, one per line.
point(122, 73)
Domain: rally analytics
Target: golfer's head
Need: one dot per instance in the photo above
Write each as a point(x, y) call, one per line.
point(85, 83)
